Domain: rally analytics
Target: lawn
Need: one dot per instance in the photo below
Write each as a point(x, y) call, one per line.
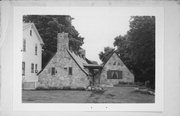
point(110, 95)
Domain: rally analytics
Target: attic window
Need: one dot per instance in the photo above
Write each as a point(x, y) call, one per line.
point(114, 63)
point(30, 32)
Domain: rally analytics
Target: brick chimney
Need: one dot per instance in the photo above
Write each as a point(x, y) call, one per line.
point(62, 41)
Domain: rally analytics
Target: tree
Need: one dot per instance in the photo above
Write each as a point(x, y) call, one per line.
point(137, 48)
point(106, 54)
point(48, 26)
point(142, 47)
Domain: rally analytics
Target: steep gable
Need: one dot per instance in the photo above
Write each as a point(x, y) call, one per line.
point(115, 71)
point(29, 25)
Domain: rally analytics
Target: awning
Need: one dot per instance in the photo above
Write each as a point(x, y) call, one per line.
point(93, 66)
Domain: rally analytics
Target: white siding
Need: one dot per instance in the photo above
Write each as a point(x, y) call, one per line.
point(29, 55)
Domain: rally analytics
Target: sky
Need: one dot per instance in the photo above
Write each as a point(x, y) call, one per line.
point(99, 28)
point(99, 31)
point(100, 25)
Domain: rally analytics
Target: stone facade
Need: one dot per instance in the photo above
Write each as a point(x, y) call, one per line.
point(115, 66)
point(65, 69)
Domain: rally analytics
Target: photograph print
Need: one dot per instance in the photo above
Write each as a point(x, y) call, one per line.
point(88, 58)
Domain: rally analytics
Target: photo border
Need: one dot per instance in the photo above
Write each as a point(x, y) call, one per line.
point(158, 12)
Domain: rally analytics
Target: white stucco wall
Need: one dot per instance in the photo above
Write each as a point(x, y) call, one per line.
point(29, 55)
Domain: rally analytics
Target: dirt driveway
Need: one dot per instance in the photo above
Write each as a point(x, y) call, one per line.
point(110, 95)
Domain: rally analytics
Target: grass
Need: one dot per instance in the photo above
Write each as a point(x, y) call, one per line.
point(110, 95)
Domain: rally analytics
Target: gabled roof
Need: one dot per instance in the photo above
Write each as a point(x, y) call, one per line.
point(79, 61)
point(27, 25)
point(110, 57)
point(118, 57)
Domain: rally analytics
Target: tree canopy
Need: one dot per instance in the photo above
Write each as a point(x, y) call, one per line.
point(106, 54)
point(137, 48)
point(48, 26)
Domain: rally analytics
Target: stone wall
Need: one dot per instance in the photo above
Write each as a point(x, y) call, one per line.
point(127, 76)
point(61, 79)
point(61, 62)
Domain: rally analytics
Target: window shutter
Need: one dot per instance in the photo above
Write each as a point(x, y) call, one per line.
point(120, 74)
point(108, 74)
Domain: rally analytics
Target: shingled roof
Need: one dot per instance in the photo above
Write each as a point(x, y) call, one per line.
point(79, 61)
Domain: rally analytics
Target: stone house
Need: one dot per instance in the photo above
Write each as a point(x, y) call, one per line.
point(65, 69)
point(114, 71)
point(31, 56)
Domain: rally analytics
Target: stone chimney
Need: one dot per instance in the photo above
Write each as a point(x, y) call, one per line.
point(62, 41)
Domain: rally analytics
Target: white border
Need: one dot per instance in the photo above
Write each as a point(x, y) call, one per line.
point(17, 82)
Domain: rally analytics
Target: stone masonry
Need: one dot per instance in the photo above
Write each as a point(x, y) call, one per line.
point(63, 70)
point(114, 63)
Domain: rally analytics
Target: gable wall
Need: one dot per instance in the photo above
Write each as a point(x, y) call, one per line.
point(62, 78)
point(127, 76)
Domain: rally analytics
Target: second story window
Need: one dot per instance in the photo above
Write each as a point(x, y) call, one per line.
point(30, 32)
point(32, 68)
point(24, 45)
point(36, 49)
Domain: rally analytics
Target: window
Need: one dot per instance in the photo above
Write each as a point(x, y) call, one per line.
point(114, 74)
point(70, 70)
point(32, 68)
point(23, 68)
point(36, 49)
point(24, 45)
point(53, 71)
point(114, 63)
point(36, 68)
point(30, 32)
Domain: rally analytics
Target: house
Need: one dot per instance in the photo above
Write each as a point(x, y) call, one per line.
point(32, 56)
point(114, 72)
point(65, 69)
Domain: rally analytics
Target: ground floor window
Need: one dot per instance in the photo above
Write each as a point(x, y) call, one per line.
point(32, 68)
point(36, 68)
point(114, 74)
point(70, 70)
point(23, 68)
point(53, 71)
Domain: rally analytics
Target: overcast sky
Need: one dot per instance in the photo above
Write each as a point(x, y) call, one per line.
point(100, 25)
point(99, 28)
